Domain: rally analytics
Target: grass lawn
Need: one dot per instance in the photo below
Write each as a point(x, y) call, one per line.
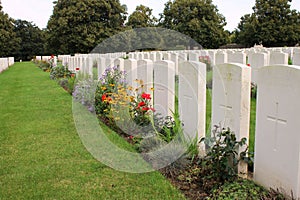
point(41, 155)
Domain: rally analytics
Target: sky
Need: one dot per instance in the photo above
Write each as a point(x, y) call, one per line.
point(39, 11)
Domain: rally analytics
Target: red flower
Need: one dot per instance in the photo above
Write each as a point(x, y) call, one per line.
point(146, 96)
point(141, 104)
point(77, 68)
point(131, 137)
point(248, 65)
point(104, 97)
point(72, 75)
point(145, 108)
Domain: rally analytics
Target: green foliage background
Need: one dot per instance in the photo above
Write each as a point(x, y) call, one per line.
point(78, 26)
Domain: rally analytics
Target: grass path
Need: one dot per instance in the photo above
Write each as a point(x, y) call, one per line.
point(41, 155)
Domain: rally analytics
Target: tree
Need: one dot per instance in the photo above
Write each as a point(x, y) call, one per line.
point(32, 40)
point(247, 33)
point(77, 26)
point(9, 43)
point(198, 19)
point(272, 23)
point(141, 17)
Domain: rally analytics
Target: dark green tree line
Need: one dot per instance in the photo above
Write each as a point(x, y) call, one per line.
point(141, 17)
point(77, 26)
point(32, 40)
point(272, 23)
point(198, 19)
point(9, 43)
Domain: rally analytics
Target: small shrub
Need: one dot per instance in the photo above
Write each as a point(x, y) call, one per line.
point(222, 157)
point(84, 93)
point(290, 61)
point(108, 84)
point(71, 84)
point(242, 189)
point(59, 72)
point(151, 144)
point(44, 65)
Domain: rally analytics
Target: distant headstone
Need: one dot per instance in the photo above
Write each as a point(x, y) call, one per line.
point(164, 87)
point(278, 57)
point(296, 57)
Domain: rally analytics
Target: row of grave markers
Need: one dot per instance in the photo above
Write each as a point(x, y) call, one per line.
point(277, 144)
point(5, 63)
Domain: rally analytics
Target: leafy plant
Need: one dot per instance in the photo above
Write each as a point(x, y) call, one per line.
point(84, 93)
point(108, 84)
point(222, 158)
point(43, 65)
point(59, 72)
point(243, 189)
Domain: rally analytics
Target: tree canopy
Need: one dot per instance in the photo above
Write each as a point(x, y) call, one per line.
point(80, 25)
point(272, 23)
point(32, 40)
point(9, 43)
point(141, 17)
point(198, 19)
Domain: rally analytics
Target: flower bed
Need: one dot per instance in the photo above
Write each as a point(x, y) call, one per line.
point(129, 112)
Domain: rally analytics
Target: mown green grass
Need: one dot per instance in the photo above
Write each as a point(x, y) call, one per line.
point(41, 155)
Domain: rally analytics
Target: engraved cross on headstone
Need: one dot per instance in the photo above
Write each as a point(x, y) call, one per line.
point(277, 121)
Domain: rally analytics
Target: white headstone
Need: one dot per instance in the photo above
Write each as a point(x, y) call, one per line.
point(221, 57)
point(277, 57)
point(237, 57)
point(140, 56)
point(296, 57)
point(194, 57)
point(145, 73)
point(256, 61)
point(231, 100)
point(164, 87)
point(166, 56)
point(89, 66)
point(130, 67)
point(192, 97)
point(277, 138)
point(101, 66)
point(212, 56)
point(146, 55)
point(159, 56)
point(174, 58)
point(152, 56)
point(119, 62)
